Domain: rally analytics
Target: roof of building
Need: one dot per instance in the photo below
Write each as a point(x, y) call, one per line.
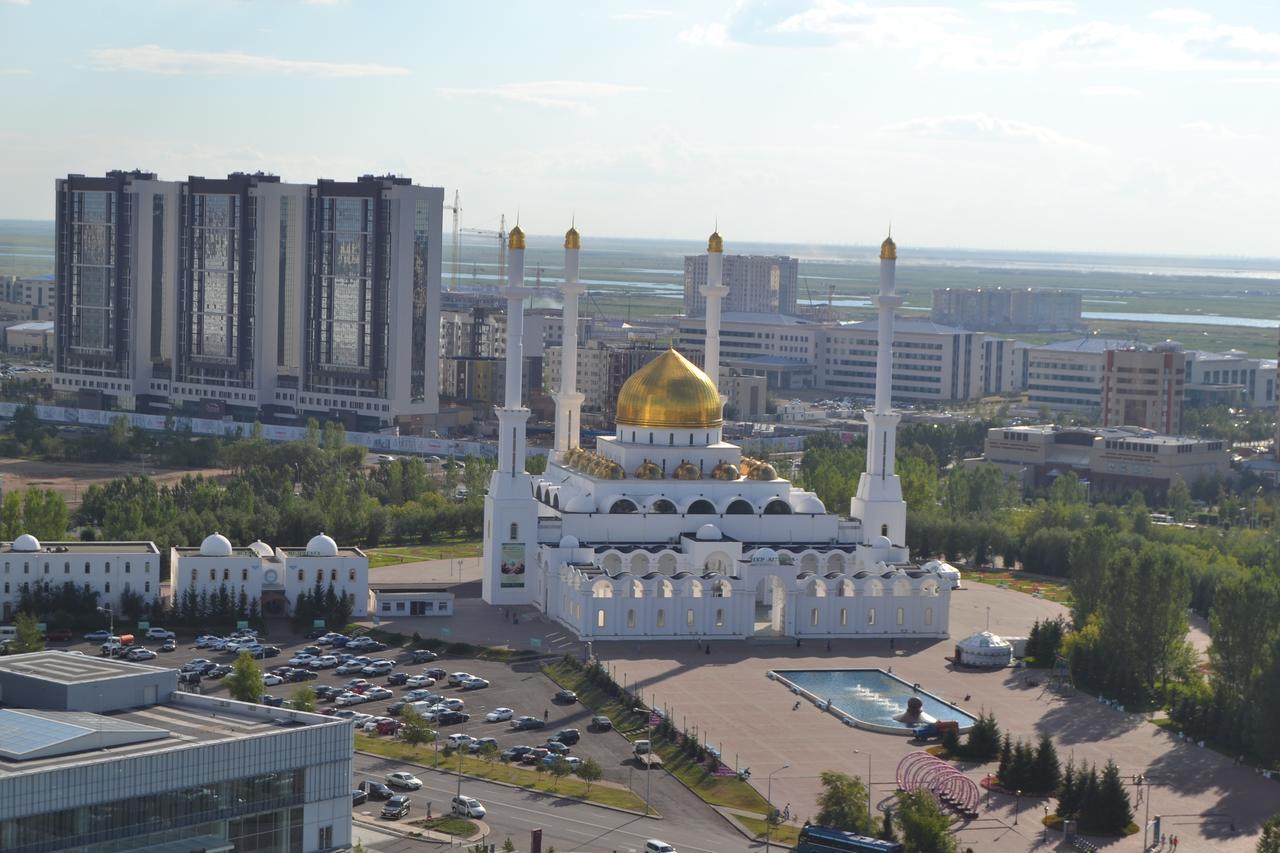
point(27, 734)
point(1089, 343)
point(916, 327)
point(33, 326)
point(84, 549)
point(62, 668)
point(762, 318)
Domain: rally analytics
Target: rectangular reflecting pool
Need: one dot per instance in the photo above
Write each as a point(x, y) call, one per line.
point(871, 697)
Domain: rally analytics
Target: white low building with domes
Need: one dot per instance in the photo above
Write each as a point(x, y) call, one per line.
point(668, 531)
point(273, 576)
point(108, 568)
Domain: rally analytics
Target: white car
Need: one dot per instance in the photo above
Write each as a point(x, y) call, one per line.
point(301, 659)
point(499, 715)
point(350, 699)
point(204, 641)
point(375, 693)
point(451, 704)
point(160, 634)
point(475, 683)
point(420, 681)
point(653, 845)
point(271, 680)
point(466, 807)
point(371, 725)
point(403, 779)
point(378, 667)
point(359, 720)
point(351, 666)
point(456, 678)
point(324, 662)
point(458, 740)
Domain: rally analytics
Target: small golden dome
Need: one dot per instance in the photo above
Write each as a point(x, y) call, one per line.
point(715, 243)
point(745, 465)
point(888, 250)
point(763, 471)
point(687, 471)
point(648, 470)
point(669, 392)
point(612, 471)
point(724, 471)
point(572, 239)
point(516, 239)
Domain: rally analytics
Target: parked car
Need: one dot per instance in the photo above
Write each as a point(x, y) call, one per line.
point(324, 662)
point(376, 790)
point(349, 698)
point(396, 807)
point(514, 753)
point(601, 723)
point(456, 678)
point(567, 697)
point(396, 679)
point(272, 701)
point(197, 665)
point(59, 635)
point(475, 683)
point(403, 779)
point(480, 743)
point(265, 652)
point(303, 674)
point(414, 680)
point(301, 659)
point(378, 667)
point(552, 757)
point(218, 670)
point(138, 653)
point(522, 723)
point(359, 797)
point(436, 672)
point(567, 736)
point(389, 727)
point(422, 655)
point(271, 680)
point(499, 715)
point(452, 718)
point(205, 641)
point(557, 747)
point(535, 755)
point(317, 634)
point(313, 650)
point(97, 636)
point(378, 693)
point(465, 806)
point(457, 740)
point(160, 634)
point(169, 646)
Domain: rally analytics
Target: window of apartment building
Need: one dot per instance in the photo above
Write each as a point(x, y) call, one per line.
point(299, 575)
point(244, 574)
point(146, 586)
point(86, 568)
point(351, 574)
point(66, 568)
point(106, 587)
point(107, 566)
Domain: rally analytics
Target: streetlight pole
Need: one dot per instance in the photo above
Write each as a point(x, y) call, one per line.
point(648, 774)
point(859, 752)
point(1017, 805)
point(768, 798)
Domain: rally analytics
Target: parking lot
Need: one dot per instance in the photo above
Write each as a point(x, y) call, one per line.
point(519, 687)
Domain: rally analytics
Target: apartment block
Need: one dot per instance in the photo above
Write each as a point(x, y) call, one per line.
point(931, 363)
point(763, 284)
point(996, 309)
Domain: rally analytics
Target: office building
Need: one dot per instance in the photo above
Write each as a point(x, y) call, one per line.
point(1001, 363)
point(763, 284)
point(251, 298)
point(602, 368)
point(100, 755)
point(1231, 378)
point(995, 309)
point(34, 338)
point(274, 577)
point(930, 363)
point(109, 569)
point(1066, 376)
point(1114, 461)
point(779, 347)
point(28, 298)
point(1143, 387)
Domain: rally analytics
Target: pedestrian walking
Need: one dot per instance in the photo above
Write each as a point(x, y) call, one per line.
point(546, 714)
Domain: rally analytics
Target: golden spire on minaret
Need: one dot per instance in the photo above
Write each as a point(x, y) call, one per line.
point(715, 243)
point(889, 249)
point(572, 239)
point(515, 240)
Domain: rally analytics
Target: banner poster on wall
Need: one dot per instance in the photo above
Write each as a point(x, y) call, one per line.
point(512, 565)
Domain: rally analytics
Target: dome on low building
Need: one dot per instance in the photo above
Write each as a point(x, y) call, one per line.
point(984, 649)
point(568, 541)
point(648, 470)
point(687, 471)
point(764, 555)
point(708, 533)
point(322, 546)
point(725, 471)
point(215, 545)
point(580, 503)
point(804, 502)
point(262, 549)
point(763, 471)
point(882, 542)
point(25, 543)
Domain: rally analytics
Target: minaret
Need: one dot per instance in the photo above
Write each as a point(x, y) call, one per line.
point(568, 400)
point(510, 513)
point(878, 502)
point(713, 292)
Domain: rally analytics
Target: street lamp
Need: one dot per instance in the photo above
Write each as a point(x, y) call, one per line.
point(112, 617)
point(1046, 824)
point(1017, 805)
point(859, 752)
point(768, 798)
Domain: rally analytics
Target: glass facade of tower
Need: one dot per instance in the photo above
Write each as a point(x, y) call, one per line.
point(421, 271)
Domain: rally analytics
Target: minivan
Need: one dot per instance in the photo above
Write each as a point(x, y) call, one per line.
point(396, 807)
point(467, 807)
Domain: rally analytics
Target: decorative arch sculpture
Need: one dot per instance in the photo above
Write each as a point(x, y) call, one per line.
point(948, 785)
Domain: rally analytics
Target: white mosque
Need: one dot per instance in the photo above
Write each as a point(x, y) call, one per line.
point(667, 531)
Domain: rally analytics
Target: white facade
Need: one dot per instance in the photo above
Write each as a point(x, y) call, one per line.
point(274, 576)
point(107, 568)
point(1067, 376)
point(668, 531)
point(1254, 377)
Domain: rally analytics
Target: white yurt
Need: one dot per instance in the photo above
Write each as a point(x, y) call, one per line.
point(946, 572)
point(984, 649)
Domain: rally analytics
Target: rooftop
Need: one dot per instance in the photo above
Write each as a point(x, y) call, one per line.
point(64, 668)
point(86, 549)
point(33, 326)
point(1089, 343)
point(900, 324)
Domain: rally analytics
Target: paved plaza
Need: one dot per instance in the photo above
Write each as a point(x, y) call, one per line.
point(727, 695)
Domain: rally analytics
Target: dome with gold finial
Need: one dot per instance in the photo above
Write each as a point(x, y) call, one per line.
point(687, 471)
point(572, 239)
point(648, 470)
point(669, 392)
point(515, 240)
point(715, 243)
point(763, 471)
point(888, 250)
point(725, 471)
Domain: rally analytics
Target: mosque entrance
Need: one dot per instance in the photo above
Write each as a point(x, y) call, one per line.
point(770, 607)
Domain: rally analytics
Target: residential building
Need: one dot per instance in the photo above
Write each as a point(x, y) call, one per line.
point(746, 397)
point(1143, 387)
point(1230, 378)
point(1114, 461)
point(764, 284)
point(109, 569)
point(930, 363)
point(996, 309)
point(274, 577)
point(603, 367)
point(100, 755)
point(32, 338)
point(1067, 375)
point(33, 296)
point(1001, 363)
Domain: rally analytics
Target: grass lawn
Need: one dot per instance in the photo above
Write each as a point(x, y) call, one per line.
point(1054, 822)
point(783, 835)
point(604, 793)
point(449, 825)
point(446, 549)
point(729, 791)
point(1051, 590)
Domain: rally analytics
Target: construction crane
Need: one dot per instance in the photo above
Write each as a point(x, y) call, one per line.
point(457, 242)
point(501, 235)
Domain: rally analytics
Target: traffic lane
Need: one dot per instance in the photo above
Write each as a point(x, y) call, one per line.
point(581, 826)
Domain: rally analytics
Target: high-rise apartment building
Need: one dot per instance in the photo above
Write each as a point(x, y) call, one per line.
point(757, 283)
point(995, 309)
point(251, 297)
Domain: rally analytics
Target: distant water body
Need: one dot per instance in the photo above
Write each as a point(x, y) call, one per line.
point(1183, 319)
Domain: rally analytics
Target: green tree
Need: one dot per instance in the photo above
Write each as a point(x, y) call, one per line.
point(11, 516)
point(1178, 498)
point(304, 699)
point(1068, 489)
point(1113, 813)
point(244, 682)
point(559, 769)
point(28, 637)
point(1269, 841)
point(589, 771)
point(415, 729)
point(843, 803)
point(1046, 773)
point(508, 846)
point(925, 827)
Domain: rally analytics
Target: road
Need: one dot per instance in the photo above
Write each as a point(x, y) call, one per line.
point(567, 825)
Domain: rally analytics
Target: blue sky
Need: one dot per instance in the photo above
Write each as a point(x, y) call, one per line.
point(1009, 124)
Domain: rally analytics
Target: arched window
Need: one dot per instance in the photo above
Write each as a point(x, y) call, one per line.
point(871, 616)
point(662, 618)
point(6, 587)
point(622, 506)
point(193, 576)
point(813, 616)
point(128, 567)
point(651, 438)
point(631, 619)
point(319, 575)
point(26, 568)
point(66, 568)
point(106, 587)
point(86, 567)
point(663, 506)
point(928, 616)
point(226, 574)
point(719, 617)
point(884, 530)
point(599, 618)
point(333, 574)
point(244, 574)
point(691, 439)
point(633, 436)
point(902, 616)
point(777, 506)
point(515, 532)
point(739, 507)
point(213, 574)
point(671, 439)
point(688, 617)
point(146, 586)
point(299, 575)
point(46, 568)
point(844, 616)
point(701, 506)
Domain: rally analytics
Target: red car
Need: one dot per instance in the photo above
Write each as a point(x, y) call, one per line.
point(389, 727)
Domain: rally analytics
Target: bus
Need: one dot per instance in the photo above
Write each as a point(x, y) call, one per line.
point(820, 839)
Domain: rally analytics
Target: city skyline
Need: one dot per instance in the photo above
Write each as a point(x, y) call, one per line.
point(1018, 125)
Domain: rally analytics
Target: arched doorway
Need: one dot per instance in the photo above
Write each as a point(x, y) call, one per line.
point(771, 607)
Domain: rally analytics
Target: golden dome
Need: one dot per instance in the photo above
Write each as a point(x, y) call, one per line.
point(516, 239)
point(763, 471)
point(572, 239)
point(715, 243)
point(648, 470)
point(888, 250)
point(687, 471)
point(724, 471)
point(669, 392)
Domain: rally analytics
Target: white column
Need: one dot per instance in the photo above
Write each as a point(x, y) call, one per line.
point(568, 400)
point(713, 292)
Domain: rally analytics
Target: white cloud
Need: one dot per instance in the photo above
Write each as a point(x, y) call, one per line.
point(712, 35)
point(153, 59)
point(1107, 90)
point(1043, 7)
point(1217, 131)
point(1180, 16)
point(565, 94)
point(980, 126)
point(643, 14)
